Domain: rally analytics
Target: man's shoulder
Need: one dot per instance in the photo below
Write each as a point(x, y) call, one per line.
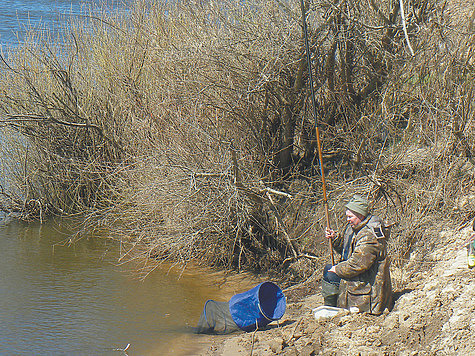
point(366, 232)
point(376, 226)
point(374, 229)
point(375, 220)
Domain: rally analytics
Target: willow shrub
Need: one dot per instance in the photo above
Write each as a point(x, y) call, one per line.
point(187, 130)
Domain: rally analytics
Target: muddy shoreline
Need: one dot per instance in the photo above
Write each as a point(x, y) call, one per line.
point(434, 314)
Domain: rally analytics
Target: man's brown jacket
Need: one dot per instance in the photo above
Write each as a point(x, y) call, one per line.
point(366, 281)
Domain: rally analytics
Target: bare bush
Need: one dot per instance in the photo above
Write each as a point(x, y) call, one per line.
point(188, 130)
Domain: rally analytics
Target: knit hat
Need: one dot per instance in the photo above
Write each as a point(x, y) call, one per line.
point(358, 204)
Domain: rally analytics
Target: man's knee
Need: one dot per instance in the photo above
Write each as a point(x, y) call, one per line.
point(331, 277)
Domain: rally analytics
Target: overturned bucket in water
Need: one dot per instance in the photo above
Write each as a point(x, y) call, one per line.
point(258, 306)
point(254, 308)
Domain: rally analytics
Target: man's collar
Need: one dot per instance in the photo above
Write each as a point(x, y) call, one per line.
point(362, 224)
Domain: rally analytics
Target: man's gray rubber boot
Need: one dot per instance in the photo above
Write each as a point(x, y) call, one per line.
point(330, 293)
point(330, 300)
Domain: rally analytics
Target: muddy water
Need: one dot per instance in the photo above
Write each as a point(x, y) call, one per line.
point(76, 300)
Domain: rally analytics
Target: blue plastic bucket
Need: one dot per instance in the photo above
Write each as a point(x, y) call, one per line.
point(258, 306)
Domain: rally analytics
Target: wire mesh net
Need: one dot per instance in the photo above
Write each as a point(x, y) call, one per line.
point(216, 319)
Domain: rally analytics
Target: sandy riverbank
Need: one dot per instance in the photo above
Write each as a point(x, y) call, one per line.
point(434, 314)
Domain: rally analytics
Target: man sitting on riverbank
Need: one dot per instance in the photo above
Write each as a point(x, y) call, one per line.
point(361, 279)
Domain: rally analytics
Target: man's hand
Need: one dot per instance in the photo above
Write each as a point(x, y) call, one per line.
point(332, 269)
point(329, 233)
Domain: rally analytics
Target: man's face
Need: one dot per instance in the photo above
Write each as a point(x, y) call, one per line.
point(353, 218)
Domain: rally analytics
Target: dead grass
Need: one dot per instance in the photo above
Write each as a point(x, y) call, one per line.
point(188, 131)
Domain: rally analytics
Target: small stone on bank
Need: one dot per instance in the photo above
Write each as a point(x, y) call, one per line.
point(276, 345)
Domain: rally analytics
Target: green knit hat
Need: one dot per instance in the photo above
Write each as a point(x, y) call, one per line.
point(358, 204)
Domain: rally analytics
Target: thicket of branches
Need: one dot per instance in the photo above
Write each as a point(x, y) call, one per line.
point(188, 130)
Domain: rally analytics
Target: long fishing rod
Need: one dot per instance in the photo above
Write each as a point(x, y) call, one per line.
point(317, 131)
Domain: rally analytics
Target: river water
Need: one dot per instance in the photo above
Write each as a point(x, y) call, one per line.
point(57, 299)
point(18, 15)
point(76, 300)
